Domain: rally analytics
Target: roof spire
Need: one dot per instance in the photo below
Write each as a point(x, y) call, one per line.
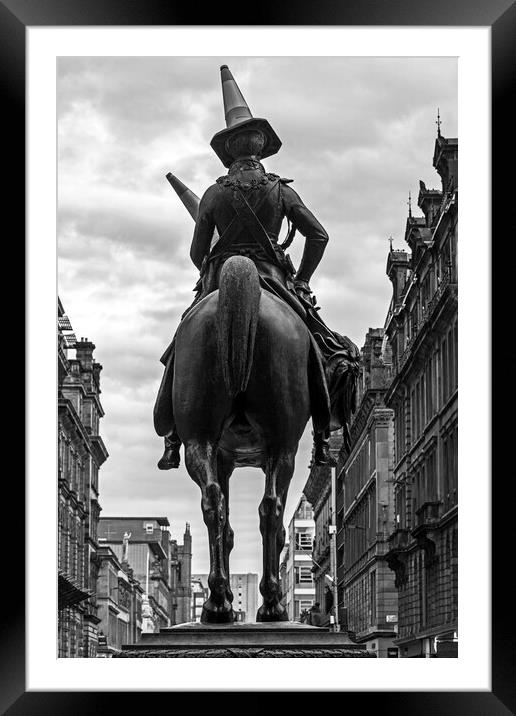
point(409, 202)
point(390, 242)
point(438, 122)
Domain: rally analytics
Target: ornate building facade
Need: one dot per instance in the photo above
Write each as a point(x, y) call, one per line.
point(366, 591)
point(421, 327)
point(81, 452)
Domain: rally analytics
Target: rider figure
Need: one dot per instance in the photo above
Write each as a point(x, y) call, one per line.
point(247, 207)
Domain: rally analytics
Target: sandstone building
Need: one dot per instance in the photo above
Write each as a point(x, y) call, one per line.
point(421, 327)
point(364, 489)
point(81, 452)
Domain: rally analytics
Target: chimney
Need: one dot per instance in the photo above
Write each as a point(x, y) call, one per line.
point(84, 352)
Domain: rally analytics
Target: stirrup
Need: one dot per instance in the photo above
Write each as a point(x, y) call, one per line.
point(322, 454)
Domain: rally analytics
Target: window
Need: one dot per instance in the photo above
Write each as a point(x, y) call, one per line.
point(451, 360)
point(400, 430)
point(444, 364)
point(449, 469)
point(428, 385)
point(304, 575)
point(413, 412)
point(372, 596)
point(148, 527)
point(303, 541)
point(399, 497)
point(431, 476)
point(422, 591)
point(456, 354)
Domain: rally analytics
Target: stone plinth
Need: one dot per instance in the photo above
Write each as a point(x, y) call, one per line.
point(254, 640)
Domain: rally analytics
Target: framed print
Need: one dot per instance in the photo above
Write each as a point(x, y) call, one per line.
point(116, 98)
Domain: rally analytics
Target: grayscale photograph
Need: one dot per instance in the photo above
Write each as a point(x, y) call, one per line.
point(257, 357)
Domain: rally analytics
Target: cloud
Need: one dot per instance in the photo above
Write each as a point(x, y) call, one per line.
point(358, 134)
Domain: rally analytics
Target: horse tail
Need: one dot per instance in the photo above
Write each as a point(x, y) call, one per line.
point(237, 318)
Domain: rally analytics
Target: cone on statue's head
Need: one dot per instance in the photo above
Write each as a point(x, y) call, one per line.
point(239, 117)
point(189, 199)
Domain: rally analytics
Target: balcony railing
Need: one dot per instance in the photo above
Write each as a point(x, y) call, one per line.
point(399, 539)
point(428, 513)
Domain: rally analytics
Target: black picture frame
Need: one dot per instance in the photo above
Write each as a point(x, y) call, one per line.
point(500, 15)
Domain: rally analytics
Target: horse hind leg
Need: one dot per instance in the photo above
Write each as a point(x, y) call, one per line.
point(201, 463)
point(279, 471)
point(225, 467)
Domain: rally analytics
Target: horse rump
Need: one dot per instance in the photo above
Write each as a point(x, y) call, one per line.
point(237, 318)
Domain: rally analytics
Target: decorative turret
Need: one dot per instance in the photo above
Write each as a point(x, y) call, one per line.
point(187, 539)
point(373, 369)
point(398, 267)
point(445, 160)
point(429, 201)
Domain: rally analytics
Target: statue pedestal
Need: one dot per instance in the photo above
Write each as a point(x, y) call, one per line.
point(255, 640)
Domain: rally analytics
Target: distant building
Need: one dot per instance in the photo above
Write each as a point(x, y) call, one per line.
point(181, 578)
point(245, 594)
point(296, 562)
point(144, 543)
point(319, 491)
point(421, 327)
point(119, 600)
point(199, 596)
point(81, 452)
point(365, 514)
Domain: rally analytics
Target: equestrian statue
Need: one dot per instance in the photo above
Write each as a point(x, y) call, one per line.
point(251, 360)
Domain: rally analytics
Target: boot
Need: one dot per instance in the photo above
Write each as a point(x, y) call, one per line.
point(170, 457)
point(322, 448)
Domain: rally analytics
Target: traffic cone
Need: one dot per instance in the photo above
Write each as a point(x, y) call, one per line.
point(238, 116)
point(189, 199)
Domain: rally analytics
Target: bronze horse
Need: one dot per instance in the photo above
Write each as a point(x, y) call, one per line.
point(241, 397)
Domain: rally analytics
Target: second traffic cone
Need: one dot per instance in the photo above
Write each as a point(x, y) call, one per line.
point(189, 199)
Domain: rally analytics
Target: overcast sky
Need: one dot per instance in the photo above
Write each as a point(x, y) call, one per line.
point(357, 133)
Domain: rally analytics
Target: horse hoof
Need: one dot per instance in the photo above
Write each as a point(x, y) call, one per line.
point(169, 460)
point(272, 613)
point(217, 613)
